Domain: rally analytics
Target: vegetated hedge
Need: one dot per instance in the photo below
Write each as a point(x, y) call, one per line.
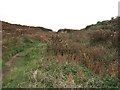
point(97, 56)
point(104, 37)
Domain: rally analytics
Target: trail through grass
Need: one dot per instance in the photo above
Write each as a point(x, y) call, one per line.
point(26, 60)
point(50, 72)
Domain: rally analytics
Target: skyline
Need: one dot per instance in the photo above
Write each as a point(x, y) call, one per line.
point(58, 14)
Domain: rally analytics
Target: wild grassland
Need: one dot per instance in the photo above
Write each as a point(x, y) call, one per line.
point(51, 72)
point(85, 59)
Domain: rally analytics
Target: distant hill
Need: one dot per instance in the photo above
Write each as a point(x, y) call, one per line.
point(9, 26)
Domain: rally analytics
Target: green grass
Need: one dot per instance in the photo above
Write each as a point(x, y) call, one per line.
point(15, 46)
point(23, 65)
point(51, 72)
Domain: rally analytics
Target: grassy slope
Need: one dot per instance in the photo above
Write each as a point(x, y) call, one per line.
point(92, 61)
point(51, 72)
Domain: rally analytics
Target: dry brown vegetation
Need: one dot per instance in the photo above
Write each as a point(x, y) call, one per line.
point(94, 47)
point(96, 50)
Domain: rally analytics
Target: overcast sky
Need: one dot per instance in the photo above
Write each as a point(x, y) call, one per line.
point(57, 14)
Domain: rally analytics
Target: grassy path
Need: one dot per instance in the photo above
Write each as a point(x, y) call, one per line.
point(18, 61)
point(32, 68)
point(10, 62)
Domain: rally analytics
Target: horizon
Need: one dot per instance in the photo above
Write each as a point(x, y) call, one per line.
point(61, 14)
point(52, 29)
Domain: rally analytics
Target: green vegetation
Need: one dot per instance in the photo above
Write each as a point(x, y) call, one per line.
point(16, 45)
point(77, 59)
point(51, 72)
point(23, 64)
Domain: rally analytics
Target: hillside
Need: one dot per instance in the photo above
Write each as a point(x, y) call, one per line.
point(37, 57)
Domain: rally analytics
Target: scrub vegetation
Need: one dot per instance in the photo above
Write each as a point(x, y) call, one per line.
point(36, 57)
